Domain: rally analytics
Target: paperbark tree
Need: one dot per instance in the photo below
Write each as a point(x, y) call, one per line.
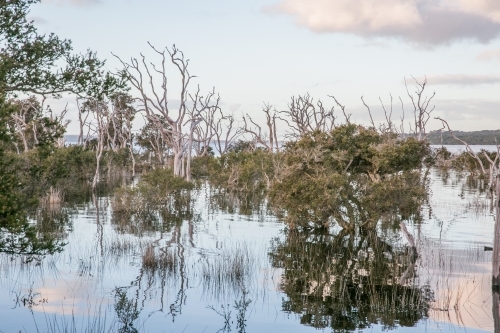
point(43, 65)
point(421, 108)
point(305, 116)
point(123, 114)
point(206, 130)
point(30, 125)
point(154, 100)
point(267, 139)
point(225, 132)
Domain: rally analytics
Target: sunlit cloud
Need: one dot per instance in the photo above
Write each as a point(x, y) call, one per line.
point(419, 21)
point(487, 8)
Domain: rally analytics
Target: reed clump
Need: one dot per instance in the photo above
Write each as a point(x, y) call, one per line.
point(54, 196)
point(161, 260)
point(229, 270)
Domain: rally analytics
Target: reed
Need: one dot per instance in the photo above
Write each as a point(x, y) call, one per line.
point(54, 196)
point(162, 259)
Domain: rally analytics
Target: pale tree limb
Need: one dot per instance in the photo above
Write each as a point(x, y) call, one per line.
point(420, 104)
point(369, 112)
point(342, 107)
point(467, 147)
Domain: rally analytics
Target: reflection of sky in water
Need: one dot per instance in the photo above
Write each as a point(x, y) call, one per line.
point(79, 280)
point(460, 148)
point(459, 216)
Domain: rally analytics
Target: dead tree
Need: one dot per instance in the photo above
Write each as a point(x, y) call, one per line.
point(204, 113)
point(30, 120)
point(59, 121)
point(388, 126)
point(21, 120)
point(154, 101)
point(122, 116)
point(225, 133)
point(305, 116)
point(347, 116)
point(468, 149)
point(151, 139)
point(421, 110)
point(202, 110)
point(267, 139)
point(83, 121)
point(98, 130)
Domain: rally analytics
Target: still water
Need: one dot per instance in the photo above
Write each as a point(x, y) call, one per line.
point(229, 264)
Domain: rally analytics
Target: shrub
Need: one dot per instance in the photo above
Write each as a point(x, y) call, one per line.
point(349, 176)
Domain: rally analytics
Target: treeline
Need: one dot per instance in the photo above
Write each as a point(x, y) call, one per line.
point(484, 137)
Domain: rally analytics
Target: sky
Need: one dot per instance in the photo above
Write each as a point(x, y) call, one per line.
point(266, 51)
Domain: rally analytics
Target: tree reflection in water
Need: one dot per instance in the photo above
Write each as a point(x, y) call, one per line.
point(348, 281)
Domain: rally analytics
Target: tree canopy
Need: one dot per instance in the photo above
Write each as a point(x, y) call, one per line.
point(35, 64)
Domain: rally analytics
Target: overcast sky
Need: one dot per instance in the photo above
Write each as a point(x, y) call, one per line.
point(258, 51)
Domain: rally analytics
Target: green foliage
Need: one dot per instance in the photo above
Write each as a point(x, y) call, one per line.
point(28, 60)
point(29, 63)
point(150, 139)
point(201, 166)
point(163, 182)
point(121, 157)
point(126, 311)
point(463, 161)
point(243, 171)
point(17, 236)
point(351, 176)
point(64, 168)
point(241, 146)
point(156, 202)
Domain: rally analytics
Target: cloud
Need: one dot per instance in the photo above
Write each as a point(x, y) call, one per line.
point(459, 79)
point(489, 55)
point(38, 20)
point(234, 107)
point(488, 8)
point(482, 111)
point(419, 21)
point(73, 2)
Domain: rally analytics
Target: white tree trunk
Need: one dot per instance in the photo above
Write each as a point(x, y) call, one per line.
point(496, 241)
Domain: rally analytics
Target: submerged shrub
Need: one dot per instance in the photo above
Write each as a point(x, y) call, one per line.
point(65, 168)
point(350, 176)
point(243, 171)
point(152, 191)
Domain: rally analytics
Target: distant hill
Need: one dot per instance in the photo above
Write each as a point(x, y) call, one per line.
point(472, 138)
point(71, 138)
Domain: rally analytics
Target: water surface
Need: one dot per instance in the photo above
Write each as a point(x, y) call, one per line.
point(230, 265)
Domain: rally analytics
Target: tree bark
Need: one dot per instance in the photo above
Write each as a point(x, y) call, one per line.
point(496, 311)
point(496, 242)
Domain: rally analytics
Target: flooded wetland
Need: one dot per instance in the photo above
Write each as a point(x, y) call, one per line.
point(209, 261)
point(136, 197)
